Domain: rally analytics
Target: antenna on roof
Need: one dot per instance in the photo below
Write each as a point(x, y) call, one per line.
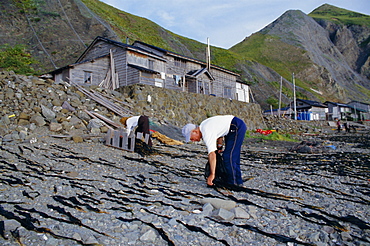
point(208, 55)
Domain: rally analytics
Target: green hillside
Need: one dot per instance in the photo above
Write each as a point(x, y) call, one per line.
point(271, 52)
point(283, 58)
point(137, 28)
point(340, 16)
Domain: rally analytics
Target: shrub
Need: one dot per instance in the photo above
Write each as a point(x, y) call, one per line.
point(16, 59)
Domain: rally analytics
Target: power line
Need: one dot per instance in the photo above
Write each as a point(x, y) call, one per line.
point(70, 23)
point(38, 40)
point(95, 16)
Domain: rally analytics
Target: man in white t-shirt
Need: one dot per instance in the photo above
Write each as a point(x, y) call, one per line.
point(212, 131)
point(140, 122)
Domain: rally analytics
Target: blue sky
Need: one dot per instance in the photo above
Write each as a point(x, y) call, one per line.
point(225, 23)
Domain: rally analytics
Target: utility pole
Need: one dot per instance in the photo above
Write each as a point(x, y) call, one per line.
point(208, 58)
point(208, 54)
point(281, 85)
point(294, 100)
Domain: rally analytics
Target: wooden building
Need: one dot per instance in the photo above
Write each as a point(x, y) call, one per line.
point(309, 110)
point(338, 111)
point(113, 64)
point(360, 110)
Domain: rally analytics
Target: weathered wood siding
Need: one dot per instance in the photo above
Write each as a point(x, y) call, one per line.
point(119, 56)
point(64, 75)
point(175, 73)
point(150, 65)
point(101, 48)
point(223, 82)
point(133, 76)
point(96, 70)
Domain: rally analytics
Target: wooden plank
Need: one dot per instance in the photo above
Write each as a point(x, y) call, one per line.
point(146, 138)
point(124, 139)
point(116, 137)
point(105, 119)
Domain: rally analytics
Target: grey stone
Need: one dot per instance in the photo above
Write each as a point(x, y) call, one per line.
point(38, 120)
point(55, 127)
point(95, 123)
point(77, 236)
point(207, 209)
point(223, 214)
point(172, 222)
point(346, 236)
point(91, 240)
point(47, 113)
point(150, 235)
point(328, 229)
point(68, 106)
point(219, 203)
point(240, 213)
point(252, 211)
point(9, 226)
point(51, 241)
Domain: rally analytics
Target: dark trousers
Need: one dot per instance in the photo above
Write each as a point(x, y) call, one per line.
point(233, 143)
point(143, 126)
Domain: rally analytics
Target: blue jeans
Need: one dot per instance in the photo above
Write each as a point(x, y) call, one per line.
point(233, 143)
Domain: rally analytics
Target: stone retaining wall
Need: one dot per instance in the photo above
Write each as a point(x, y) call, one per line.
point(180, 108)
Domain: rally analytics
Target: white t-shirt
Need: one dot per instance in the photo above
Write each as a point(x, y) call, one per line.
point(131, 123)
point(213, 128)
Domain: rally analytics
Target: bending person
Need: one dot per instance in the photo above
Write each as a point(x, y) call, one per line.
point(140, 122)
point(211, 131)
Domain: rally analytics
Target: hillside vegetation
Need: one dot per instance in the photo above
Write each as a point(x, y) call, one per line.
point(340, 16)
point(137, 28)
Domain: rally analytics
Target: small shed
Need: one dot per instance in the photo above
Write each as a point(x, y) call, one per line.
point(338, 111)
point(309, 110)
point(360, 110)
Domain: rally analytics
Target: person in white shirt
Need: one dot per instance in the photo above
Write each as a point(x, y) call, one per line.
point(212, 131)
point(140, 122)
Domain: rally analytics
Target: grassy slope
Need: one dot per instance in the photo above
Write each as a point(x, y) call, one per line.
point(340, 16)
point(138, 28)
point(281, 57)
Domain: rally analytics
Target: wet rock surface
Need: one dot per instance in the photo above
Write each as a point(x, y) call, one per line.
point(58, 192)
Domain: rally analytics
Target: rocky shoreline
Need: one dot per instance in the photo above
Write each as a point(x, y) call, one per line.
point(60, 185)
point(59, 192)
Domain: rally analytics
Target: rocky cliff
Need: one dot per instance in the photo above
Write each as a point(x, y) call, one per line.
point(330, 60)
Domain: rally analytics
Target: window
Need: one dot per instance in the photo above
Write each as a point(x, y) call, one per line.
point(180, 63)
point(177, 79)
point(87, 77)
point(227, 92)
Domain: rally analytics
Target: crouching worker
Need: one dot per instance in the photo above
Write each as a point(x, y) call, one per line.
point(211, 131)
point(140, 122)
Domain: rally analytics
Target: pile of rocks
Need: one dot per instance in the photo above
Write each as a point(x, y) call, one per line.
point(32, 107)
